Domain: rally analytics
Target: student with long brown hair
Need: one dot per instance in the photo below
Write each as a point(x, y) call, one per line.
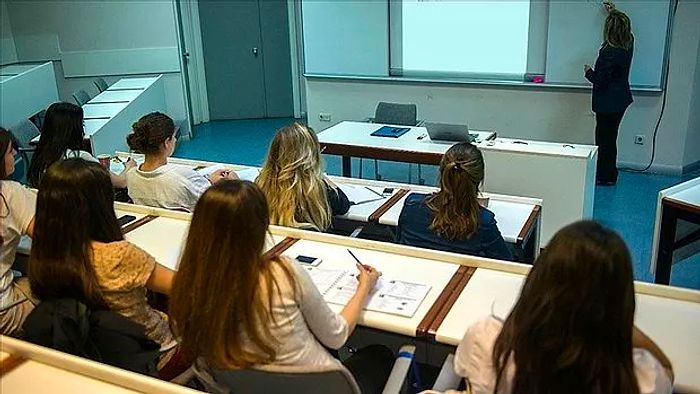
point(63, 137)
point(78, 251)
point(452, 219)
point(235, 307)
point(572, 329)
point(16, 219)
point(298, 193)
point(156, 182)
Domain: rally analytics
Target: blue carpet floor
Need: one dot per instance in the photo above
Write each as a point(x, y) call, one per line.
point(628, 208)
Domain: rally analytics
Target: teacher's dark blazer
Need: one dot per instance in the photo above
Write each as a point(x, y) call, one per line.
point(610, 78)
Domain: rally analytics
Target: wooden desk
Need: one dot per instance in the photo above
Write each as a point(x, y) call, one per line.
point(26, 89)
point(677, 227)
point(28, 368)
point(670, 316)
point(562, 175)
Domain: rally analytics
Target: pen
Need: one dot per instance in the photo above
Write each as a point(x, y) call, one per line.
point(373, 191)
point(358, 260)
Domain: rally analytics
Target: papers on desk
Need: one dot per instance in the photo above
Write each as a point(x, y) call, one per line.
point(358, 194)
point(206, 171)
point(389, 295)
point(248, 174)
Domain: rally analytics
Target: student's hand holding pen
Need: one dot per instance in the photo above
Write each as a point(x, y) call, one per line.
point(367, 277)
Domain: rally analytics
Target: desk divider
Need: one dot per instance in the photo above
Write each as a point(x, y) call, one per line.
point(9, 363)
point(529, 224)
point(280, 247)
point(387, 205)
point(442, 305)
point(449, 302)
point(133, 226)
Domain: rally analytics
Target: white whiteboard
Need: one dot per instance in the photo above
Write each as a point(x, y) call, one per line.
point(576, 32)
point(347, 37)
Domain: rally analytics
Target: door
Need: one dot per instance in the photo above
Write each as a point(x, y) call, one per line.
point(247, 58)
point(231, 43)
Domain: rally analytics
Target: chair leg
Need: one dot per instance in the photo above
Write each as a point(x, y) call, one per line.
point(376, 171)
point(421, 181)
point(360, 175)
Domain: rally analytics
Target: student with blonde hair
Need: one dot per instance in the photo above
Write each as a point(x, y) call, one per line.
point(156, 182)
point(452, 219)
point(297, 191)
point(233, 306)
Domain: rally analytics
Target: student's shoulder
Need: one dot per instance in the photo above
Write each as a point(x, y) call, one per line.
point(487, 216)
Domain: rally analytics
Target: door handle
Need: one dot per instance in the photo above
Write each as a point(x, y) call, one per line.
point(255, 51)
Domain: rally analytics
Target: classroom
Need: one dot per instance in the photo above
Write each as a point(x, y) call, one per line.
point(350, 196)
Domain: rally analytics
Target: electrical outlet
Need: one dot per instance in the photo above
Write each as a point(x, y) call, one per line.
point(639, 139)
point(324, 117)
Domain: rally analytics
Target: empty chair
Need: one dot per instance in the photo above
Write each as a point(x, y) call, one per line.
point(394, 114)
point(81, 97)
point(101, 84)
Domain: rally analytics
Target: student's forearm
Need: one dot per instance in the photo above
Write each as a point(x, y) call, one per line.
point(641, 340)
point(351, 312)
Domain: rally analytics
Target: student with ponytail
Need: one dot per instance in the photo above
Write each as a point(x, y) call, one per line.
point(16, 219)
point(452, 219)
point(156, 182)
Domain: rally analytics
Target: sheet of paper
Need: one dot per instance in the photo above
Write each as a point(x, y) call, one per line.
point(389, 295)
point(324, 278)
point(358, 194)
point(209, 170)
point(249, 174)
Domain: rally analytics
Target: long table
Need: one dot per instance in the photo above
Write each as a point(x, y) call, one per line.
point(562, 175)
point(109, 115)
point(676, 229)
point(25, 89)
point(463, 288)
point(518, 218)
point(28, 368)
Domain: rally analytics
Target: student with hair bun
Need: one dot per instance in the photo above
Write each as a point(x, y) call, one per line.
point(452, 219)
point(156, 182)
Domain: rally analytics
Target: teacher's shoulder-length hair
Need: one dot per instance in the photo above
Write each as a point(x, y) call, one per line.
point(618, 30)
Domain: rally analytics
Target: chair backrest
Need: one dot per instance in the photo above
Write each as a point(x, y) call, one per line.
point(24, 131)
point(277, 379)
point(81, 97)
point(396, 114)
point(101, 84)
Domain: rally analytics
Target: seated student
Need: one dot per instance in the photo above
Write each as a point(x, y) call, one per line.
point(156, 182)
point(16, 219)
point(62, 137)
point(571, 330)
point(298, 193)
point(452, 219)
point(266, 310)
point(78, 250)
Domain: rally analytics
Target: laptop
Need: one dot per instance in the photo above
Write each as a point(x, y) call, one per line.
point(449, 132)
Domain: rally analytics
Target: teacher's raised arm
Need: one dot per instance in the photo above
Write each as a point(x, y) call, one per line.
point(611, 89)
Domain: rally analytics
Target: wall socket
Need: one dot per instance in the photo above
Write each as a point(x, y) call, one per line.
point(639, 139)
point(324, 117)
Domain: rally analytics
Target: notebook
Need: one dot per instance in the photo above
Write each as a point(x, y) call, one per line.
point(391, 132)
point(389, 295)
point(358, 194)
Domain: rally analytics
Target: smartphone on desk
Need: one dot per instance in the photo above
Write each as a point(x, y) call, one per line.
point(126, 219)
point(388, 190)
point(308, 260)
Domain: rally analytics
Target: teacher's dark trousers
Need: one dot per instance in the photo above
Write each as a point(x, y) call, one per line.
point(606, 129)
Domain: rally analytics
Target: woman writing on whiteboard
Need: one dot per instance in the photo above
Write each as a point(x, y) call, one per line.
point(611, 89)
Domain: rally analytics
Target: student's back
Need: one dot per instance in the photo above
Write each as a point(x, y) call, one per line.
point(452, 219)
point(571, 330)
point(156, 182)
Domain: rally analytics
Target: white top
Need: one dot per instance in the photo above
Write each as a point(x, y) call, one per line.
point(171, 186)
point(17, 207)
point(473, 362)
point(305, 323)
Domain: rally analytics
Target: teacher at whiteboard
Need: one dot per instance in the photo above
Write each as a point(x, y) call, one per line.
point(611, 89)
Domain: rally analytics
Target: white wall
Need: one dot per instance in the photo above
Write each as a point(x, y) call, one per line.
point(8, 53)
point(101, 38)
point(538, 113)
